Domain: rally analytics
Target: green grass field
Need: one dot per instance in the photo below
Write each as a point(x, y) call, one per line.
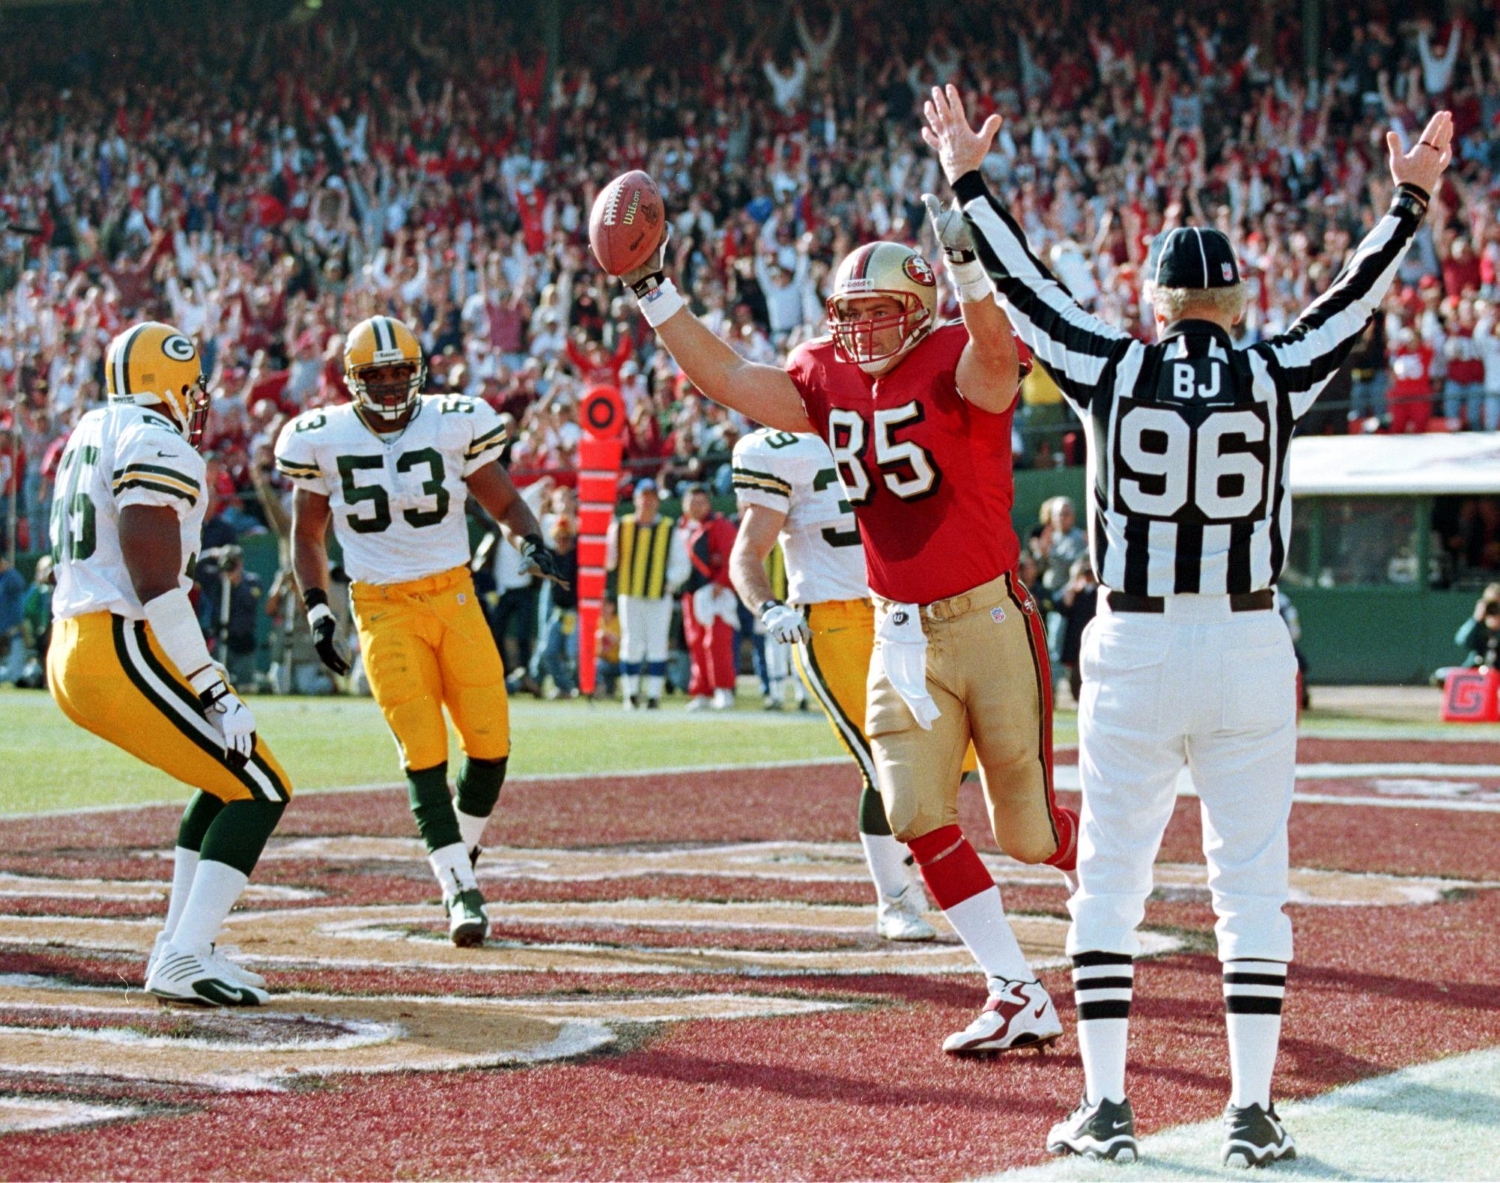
point(46, 763)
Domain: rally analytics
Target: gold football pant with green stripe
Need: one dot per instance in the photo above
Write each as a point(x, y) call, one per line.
point(427, 645)
point(835, 664)
point(110, 676)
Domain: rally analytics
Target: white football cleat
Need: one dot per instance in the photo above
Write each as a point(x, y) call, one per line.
point(1017, 1015)
point(723, 700)
point(899, 917)
point(156, 948)
point(222, 959)
point(699, 703)
point(203, 981)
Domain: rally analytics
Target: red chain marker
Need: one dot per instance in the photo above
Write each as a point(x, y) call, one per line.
point(602, 417)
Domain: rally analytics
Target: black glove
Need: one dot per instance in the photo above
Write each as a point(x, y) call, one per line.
point(535, 552)
point(320, 620)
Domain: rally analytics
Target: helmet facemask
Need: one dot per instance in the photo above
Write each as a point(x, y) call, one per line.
point(874, 343)
point(195, 402)
point(388, 390)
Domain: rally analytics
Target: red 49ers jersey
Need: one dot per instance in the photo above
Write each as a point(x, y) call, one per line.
point(928, 474)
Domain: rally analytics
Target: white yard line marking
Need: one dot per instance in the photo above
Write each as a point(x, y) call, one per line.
point(1430, 1121)
point(1065, 776)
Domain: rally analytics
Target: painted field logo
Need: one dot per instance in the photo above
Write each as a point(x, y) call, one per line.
point(584, 942)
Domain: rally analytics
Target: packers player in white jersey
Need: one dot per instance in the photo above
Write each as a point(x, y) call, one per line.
point(788, 489)
point(392, 471)
point(128, 660)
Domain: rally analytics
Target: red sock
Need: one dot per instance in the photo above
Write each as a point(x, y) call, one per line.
point(1066, 856)
point(950, 867)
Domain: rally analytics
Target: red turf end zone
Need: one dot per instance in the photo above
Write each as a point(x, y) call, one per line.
point(844, 1094)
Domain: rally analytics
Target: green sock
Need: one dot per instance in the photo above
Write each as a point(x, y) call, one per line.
point(479, 784)
point(432, 806)
point(240, 832)
point(872, 813)
point(196, 818)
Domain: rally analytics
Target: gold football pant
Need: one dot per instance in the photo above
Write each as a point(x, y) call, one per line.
point(110, 676)
point(427, 645)
point(835, 664)
point(987, 672)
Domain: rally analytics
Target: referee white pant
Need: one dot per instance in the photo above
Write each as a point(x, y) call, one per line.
point(1215, 691)
point(645, 627)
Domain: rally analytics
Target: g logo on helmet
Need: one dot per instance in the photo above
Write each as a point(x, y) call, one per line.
point(179, 348)
point(920, 271)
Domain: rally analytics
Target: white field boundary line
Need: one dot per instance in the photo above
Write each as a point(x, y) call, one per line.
point(1065, 776)
point(1427, 1121)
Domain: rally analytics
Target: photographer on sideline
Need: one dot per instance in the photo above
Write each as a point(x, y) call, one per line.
point(1480, 634)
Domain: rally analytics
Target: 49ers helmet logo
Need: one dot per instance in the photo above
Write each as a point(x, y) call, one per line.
point(920, 271)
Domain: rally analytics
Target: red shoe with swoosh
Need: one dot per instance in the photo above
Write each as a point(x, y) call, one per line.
point(1017, 1015)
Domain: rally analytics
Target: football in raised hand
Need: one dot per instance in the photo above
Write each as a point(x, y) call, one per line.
point(626, 222)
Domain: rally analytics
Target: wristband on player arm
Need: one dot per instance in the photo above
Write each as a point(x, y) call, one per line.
point(324, 627)
point(658, 297)
point(970, 278)
point(172, 620)
point(314, 598)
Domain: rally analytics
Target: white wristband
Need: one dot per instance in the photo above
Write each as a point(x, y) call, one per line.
point(317, 612)
point(972, 281)
point(662, 302)
point(171, 619)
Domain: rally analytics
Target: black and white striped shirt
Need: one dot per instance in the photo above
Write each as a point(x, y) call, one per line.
point(1188, 438)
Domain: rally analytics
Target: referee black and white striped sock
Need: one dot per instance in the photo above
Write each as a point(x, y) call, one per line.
point(1253, 991)
point(1103, 984)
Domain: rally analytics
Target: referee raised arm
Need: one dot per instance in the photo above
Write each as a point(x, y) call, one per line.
point(1188, 662)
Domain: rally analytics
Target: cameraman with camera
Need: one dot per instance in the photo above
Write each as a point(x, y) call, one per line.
point(1480, 634)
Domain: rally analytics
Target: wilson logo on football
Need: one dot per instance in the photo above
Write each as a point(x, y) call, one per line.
point(919, 271)
point(635, 204)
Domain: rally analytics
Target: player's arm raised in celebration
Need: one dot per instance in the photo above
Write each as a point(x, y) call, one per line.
point(759, 528)
point(989, 368)
point(763, 393)
point(151, 545)
point(491, 487)
point(1075, 346)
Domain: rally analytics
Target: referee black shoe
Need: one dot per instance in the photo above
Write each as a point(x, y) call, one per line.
point(1255, 1137)
point(1102, 1130)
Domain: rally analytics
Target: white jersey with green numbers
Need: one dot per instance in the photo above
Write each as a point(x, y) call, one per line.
point(117, 456)
point(398, 499)
point(795, 474)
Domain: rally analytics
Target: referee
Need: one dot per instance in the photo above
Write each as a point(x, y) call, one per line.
point(1188, 662)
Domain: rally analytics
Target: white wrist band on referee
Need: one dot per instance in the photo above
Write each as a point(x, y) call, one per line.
point(171, 619)
point(661, 303)
point(972, 281)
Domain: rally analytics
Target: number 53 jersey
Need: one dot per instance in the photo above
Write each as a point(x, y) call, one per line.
point(397, 499)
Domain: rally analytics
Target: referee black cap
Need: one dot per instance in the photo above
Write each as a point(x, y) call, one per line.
point(1189, 257)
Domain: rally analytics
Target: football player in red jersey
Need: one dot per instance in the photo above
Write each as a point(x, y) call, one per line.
point(918, 417)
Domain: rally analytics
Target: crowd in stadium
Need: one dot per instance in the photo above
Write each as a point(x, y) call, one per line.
point(263, 184)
